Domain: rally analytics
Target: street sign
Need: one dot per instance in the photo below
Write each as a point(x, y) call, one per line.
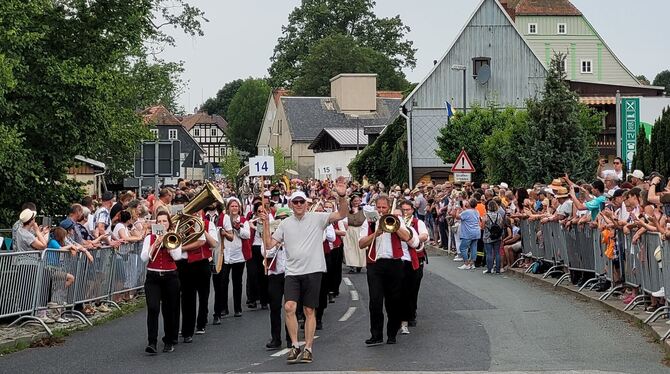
point(261, 166)
point(462, 177)
point(463, 164)
point(630, 114)
point(158, 158)
point(326, 170)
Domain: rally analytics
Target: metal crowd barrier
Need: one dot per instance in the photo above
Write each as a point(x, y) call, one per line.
point(36, 281)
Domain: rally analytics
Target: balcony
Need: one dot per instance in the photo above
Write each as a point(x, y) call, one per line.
point(606, 142)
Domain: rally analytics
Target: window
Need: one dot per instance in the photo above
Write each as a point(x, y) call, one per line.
point(223, 151)
point(212, 132)
point(478, 63)
point(587, 67)
point(563, 66)
point(196, 132)
point(532, 28)
point(172, 134)
point(562, 28)
point(154, 132)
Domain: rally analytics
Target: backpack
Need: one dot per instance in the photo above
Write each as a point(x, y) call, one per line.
point(495, 231)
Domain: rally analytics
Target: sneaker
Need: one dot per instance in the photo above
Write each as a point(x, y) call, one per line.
point(659, 293)
point(168, 348)
point(404, 330)
point(47, 319)
point(374, 341)
point(62, 320)
point(216, 320)
point(503, 270)
point(306, 357)
point(293, 355)
point(188, 339)
point(225, 313)
point(200, 331)
point(487, 271)
point(458, 258)
point(650, 309)
point(103, 308)
point(464, 267)
point(151, 349)
point(238, 314)
point(252, 305)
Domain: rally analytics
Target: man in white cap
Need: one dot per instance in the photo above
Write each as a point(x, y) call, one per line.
point(637, 178)
point(302, 237)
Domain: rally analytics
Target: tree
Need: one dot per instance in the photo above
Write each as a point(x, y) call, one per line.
point(663, 79)
point(337, 54)
point(221, 102)
point(245, 114)
point(72, 76)
point(230, 165)
point(561, 134)
point(386, 158)
point(642, 158)
point(643, 80)
point(314, 20)
point(660, 144)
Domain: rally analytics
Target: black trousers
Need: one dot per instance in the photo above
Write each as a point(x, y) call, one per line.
point(257, 281)
point(162, 295)
point(194, 278)
point(325, 282)
point(385, 278)
point(276, 296)
point(335, 270)
point(410, 291)
point(221, 302)
point(444, 233)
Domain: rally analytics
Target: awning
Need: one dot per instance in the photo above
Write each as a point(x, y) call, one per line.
point(598, 100)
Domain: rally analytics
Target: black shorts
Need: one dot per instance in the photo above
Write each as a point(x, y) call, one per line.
point(303, 288)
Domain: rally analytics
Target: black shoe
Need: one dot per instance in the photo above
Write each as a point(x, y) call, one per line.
point(319, 325)
point(411, 323)
point(151, 349)
point(225, 313)
point(273, 345)
point(264, 306)
point(216, 321)
point(391, 340)
point(252, 305)
point(374, 341)
point(238, 314)
point(168, 348)
point(331, 298)
point(200, 331)
point(289, 344)
point(188, 339)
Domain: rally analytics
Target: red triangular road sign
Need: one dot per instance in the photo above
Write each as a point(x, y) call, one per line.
point(463, 164)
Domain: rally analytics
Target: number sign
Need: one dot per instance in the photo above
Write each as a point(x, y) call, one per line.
point(261, 166)
point(326, 170)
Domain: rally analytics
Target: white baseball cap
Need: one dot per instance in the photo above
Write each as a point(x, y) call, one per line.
point(503, 185)
point(297, 195)
point(637, 174)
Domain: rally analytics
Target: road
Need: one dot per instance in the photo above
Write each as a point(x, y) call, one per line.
point(467, 321)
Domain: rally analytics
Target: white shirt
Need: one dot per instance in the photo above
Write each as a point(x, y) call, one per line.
point(422, 230)
point(116, 233)
point(184, 254)
point(232, 250)
point(146, 251)
point(383, 243)
point(279, 256)
point(329, 235)
point(258, 236)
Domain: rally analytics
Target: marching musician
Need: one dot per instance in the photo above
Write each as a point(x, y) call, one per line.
point(276, 265)
point(194, 275)
point(413, 260)
point(329, 238)
point(214, 215)
point(237, 250)
point(161, 286)
point(257, 281)
point(336, 256)
point(385, 273)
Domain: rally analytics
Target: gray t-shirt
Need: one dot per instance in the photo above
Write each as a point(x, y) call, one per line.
point(565, 209)
point(23, 240)
point(303, 243)
point(420, 203)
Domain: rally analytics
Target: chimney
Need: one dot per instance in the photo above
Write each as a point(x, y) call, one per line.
point(355, 93)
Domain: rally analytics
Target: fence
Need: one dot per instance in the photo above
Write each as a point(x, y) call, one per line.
point(32, 282)
point(581, 248)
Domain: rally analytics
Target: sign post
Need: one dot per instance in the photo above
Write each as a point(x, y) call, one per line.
point(630, 114)
point(463, 168)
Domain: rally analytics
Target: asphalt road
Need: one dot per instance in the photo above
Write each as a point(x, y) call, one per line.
point(467, 322)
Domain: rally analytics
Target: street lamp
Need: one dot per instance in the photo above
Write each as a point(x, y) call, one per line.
point(464, 69)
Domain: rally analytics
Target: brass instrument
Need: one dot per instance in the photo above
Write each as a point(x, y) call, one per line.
point(188, 227)
point(390, 222)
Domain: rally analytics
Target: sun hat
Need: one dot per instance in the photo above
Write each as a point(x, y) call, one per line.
point(26, 215)
point(637, 174)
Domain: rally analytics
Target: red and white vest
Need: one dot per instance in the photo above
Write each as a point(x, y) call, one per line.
point(396, 246)
point(163, 260)
point(202, 253)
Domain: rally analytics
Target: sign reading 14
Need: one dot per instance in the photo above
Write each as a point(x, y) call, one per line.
point(261, 166)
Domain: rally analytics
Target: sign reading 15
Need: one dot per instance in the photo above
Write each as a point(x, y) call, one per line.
point(261, 166)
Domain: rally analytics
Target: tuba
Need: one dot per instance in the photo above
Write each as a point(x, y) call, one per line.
point(187, 226)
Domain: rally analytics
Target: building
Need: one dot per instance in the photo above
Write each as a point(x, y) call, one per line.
point(334, 148)
point(210, 133)
point(166, 126)
point(295, 122)
point(265, 137)
point(551, 26)
point(488, 62)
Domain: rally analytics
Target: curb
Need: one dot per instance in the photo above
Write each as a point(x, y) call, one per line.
point(612, 305)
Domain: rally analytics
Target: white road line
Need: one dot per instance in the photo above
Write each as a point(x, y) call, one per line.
point(347, 281)
point(354, 295)
point(348, 314)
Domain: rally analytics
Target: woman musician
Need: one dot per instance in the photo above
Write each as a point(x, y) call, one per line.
point(236, 251)
point(161, 286)
point(257, 281)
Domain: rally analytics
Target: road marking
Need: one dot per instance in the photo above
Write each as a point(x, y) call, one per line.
point(348, 314)
point(354, 295)
point(285, 350)
point(347, 281)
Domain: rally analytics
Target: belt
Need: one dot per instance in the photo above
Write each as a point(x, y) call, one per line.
point(162, 273)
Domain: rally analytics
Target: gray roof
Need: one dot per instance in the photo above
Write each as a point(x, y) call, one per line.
point(345, 137)
point(307, 116)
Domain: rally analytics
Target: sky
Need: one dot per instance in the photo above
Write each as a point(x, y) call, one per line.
point(241, 34)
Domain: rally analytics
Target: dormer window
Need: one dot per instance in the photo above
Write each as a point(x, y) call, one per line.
point(562, 29)
point(532, 28)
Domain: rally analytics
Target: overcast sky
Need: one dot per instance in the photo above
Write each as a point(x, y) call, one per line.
point(241, 35)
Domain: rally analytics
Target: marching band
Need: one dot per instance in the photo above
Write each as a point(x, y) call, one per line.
point(293, 246)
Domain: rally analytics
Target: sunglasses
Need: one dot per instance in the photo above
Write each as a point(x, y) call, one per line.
point(298, 202)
